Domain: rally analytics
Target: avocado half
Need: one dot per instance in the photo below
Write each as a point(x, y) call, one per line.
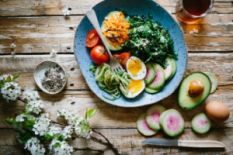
point(109, 44)
point(187, 102)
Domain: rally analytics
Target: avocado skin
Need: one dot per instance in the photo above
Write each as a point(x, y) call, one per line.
point(198, 102)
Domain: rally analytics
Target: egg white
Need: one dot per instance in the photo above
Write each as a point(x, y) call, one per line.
point(141, 74)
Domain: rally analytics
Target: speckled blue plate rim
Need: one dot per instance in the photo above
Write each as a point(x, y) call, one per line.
point(132, 105)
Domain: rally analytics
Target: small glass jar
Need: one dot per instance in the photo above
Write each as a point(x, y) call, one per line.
point(192, 11)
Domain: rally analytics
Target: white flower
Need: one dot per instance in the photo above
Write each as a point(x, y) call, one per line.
point(41, 125)
point(2, 78)
point(82, 128)
point(53, 53)
point(35, 106)
point(67, 132)
point(20, 118)
point(10, 91)
point(33, 145)
point(30, 95)
point(70, 117)
point(66, 11)
point(60, 147)
point(12, 45)
point(5, 76)
point(53, 130)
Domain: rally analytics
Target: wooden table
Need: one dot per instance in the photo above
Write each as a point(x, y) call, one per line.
point(37, 27)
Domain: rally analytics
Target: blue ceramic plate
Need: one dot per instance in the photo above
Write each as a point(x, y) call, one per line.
point(132, 7)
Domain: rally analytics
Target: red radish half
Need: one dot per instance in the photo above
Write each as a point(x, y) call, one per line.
point(143, 127)
point(153, 114)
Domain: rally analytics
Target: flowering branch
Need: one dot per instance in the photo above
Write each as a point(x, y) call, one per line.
point(37, 132)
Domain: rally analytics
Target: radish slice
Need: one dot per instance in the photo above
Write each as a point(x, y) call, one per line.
point(143, 127)
point(201, 124)
point(153, 115)
point(172, 122)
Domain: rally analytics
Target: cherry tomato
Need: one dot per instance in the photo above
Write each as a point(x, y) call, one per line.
point(99, 55)
point(92, 39)
point(122, 57)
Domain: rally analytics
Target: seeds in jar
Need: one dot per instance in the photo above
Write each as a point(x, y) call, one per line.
point(54, 79)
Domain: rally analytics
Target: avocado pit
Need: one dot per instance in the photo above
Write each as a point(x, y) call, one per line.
point(196, 88)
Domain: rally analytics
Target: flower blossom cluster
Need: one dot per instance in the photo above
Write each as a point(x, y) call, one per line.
point(34, 147)
point(60, 147)
point(80, 125)
point(10, 91)
point(33, 102)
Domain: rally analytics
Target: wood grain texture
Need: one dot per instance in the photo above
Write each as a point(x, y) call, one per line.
point(219, 63)
point(55, 7)
point(37, 27)
point(111, 117)
point(42, 34)
point(129, 142)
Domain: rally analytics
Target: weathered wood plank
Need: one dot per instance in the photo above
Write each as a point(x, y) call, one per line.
point(220, 64)
point(42, 34)
point(54, 7)
point(110, 116)
point(129, 141)
point(113, 117)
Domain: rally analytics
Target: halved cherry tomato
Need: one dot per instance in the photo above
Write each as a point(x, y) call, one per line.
point(99, 55)
point(92, 39)
point(122, 57)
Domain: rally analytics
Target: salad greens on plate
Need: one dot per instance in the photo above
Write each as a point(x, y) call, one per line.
point(141, 45)
point(149, 40)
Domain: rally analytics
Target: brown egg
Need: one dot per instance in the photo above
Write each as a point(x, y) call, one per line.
point(217, 111)
point(195, 88)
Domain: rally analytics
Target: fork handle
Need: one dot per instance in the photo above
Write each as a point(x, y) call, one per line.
point(91, 15)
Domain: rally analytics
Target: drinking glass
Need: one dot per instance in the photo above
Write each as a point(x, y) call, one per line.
point(192, 11)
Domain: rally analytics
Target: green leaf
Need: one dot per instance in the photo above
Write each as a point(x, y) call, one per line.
point(90, 113)
point(8, 79)
point(23, 137)
point(47, 137)
point(15, 76)
point(11, 121)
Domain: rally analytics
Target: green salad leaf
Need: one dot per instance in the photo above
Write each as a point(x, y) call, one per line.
point(149, 41)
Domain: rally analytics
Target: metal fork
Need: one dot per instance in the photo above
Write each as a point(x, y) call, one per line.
point(115, 65)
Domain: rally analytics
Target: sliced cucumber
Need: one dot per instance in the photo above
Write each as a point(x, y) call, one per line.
point(152, 116)
point(170, 69)
point(172, 122)
point(159, 80)
point(150, 73)
point(151, 91)
point(143, 127)
point(213, 80)
point(201, 123)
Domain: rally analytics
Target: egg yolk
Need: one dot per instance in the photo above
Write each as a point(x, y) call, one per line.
point(135, 86)
point(134, 67)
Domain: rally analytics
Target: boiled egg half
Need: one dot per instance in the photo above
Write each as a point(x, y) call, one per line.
point(134, 88)
point(136, 68)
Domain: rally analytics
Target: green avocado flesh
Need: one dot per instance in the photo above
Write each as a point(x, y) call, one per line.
point(184, 99)
point(109, 44)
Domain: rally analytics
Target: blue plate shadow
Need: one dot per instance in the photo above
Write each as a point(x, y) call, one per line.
point(132, 7)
